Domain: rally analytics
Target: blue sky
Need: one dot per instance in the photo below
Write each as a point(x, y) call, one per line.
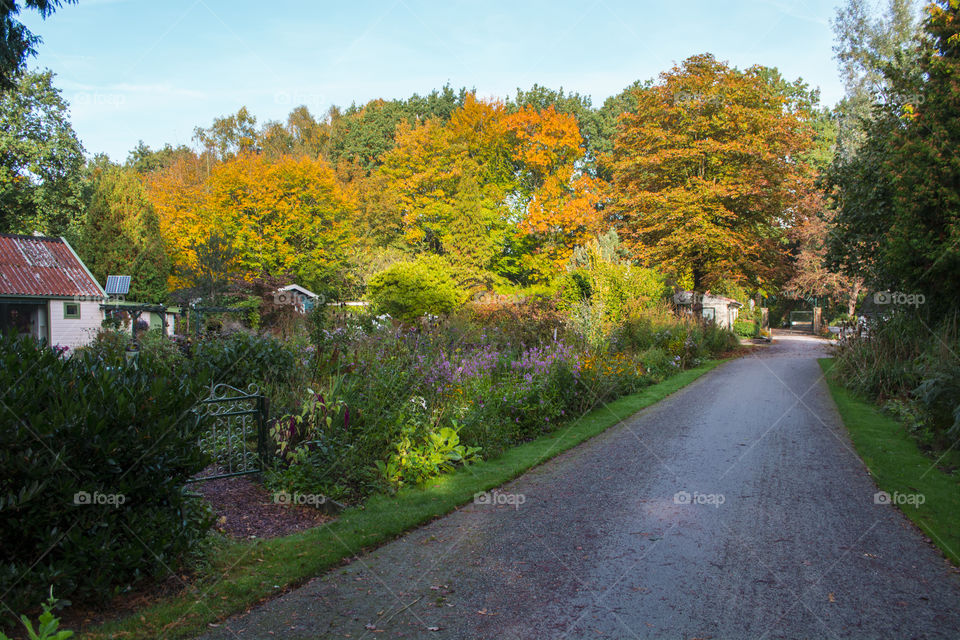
point(138, 69)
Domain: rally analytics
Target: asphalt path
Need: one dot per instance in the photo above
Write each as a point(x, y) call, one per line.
point(735, 508)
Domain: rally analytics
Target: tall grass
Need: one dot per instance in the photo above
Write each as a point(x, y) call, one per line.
point(911, 365)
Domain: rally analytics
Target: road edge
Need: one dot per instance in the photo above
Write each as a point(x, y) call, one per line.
point(263, 570)
point(899, 468)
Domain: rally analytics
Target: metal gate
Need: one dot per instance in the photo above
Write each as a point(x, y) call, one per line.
point(801, 320)
point(233, 427)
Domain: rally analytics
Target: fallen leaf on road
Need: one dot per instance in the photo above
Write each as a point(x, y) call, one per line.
point(830, 597)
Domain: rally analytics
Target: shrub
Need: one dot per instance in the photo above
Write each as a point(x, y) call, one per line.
point(909, 363)
point(95, 457)
point(745, 328)
point(424, 453)
point(241, 359)
point(514, 320)
point(48, 625)
point(409, 290)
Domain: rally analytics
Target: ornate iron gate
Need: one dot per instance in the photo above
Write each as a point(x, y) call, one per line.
point(233, 424)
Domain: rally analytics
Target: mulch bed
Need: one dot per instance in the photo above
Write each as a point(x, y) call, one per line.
point(245, 509)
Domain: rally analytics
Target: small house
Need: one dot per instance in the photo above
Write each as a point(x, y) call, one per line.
point(143, 316)
point(136, 315)
point(301, 297)
point(47, 292)
point(713, 308)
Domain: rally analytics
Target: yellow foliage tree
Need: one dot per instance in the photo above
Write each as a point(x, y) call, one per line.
point(279, 215)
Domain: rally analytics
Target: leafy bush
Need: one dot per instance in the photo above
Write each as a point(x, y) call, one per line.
point(48, 625)
point(517, 320)
point(424, 453)
point(95, 456)
point(241, 359)
point(409, 290)
point(745, 329)
point(909, 364)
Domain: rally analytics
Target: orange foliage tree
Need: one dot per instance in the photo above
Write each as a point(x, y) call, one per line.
point(707, 174)
point(278, 215)
point(461, 187)
point(562, 203)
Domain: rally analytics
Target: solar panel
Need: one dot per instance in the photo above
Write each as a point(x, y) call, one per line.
point(118, 285)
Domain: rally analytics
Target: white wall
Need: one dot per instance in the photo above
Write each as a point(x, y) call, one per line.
point(70, 332)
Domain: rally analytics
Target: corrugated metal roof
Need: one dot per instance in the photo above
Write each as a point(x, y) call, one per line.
point(117, 285)
point(41, 266)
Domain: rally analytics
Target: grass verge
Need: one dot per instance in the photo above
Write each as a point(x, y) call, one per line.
point(900, 468)
point(241, 574)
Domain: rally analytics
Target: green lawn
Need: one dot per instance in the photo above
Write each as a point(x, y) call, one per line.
point(898, 466)
point(241, 574)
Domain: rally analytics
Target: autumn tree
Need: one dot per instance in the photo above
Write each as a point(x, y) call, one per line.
point(442, 182)
point(485, 182)
point(707, 168)
point(561, 202)
point(177, 192)
point(589, 120)
point(286, 215)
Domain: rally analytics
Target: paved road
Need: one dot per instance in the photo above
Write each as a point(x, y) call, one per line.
point(780, 536)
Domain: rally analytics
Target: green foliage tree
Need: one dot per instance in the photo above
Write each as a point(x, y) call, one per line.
point(898, 208)
point(409, 290)
point(866, 44)
point(121, 233)
point(229, 136)
point(364, 134)
point(144, 160)
point(17, 43)
point(41, 159)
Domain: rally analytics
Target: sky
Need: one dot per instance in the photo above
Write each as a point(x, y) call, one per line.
point(144, 70)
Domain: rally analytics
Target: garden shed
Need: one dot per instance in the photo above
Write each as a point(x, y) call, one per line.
point(47, 292)
point(304, 299)
point(719, 309)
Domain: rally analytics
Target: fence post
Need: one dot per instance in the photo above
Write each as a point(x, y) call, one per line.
point(263, 438)
point(817, 320)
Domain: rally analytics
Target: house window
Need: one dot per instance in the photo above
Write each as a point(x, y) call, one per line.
point(71, 310)
point(709, 314)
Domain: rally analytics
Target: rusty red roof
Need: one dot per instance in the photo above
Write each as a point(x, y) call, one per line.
point(41, 266)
